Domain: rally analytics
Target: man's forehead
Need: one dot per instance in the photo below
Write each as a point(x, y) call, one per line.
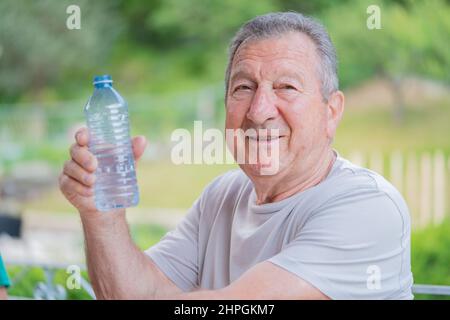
point(277, 68)
point(290, 45)
point(291, 52)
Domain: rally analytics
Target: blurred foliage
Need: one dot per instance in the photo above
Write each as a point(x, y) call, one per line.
point(413, 39)
point(430, 257)
point(144, 236)
point(174, 24)
point(37, 49)
point(32, 276)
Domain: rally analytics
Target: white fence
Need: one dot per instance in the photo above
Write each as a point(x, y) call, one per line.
point(423, 180)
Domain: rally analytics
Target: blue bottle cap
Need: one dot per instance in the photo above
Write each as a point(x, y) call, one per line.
point(102, 79)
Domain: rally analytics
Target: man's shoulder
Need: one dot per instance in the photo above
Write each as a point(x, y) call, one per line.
point(360, 189)
point(350, 178)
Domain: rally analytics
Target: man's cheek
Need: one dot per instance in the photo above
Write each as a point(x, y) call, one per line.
point(235, 120)
point(297, 132)
point(236, 110)
point(299, 143)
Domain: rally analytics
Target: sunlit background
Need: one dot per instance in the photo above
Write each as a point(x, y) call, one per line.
point(167, 59)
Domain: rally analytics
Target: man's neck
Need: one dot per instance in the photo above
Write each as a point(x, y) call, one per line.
point(282, 186)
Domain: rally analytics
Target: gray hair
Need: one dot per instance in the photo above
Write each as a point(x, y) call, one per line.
point(279, 23)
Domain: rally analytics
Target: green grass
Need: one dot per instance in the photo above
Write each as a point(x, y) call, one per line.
point(169, 185)
point(161, 185)
point(424, 128)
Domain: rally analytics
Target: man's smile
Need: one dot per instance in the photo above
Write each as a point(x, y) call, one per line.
point(263, 139)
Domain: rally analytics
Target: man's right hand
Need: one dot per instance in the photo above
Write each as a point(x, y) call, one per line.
point(77, 179)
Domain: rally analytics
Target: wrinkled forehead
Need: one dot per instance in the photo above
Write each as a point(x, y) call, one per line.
point(294, 52)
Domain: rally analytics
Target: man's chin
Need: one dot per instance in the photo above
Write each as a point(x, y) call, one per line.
point(261, 169)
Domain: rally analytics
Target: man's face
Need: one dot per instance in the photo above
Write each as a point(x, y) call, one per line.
point(274, 84)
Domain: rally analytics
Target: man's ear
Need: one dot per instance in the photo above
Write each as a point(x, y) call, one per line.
point(335, 110)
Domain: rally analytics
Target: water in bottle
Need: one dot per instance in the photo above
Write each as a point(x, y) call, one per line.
point(109, 140)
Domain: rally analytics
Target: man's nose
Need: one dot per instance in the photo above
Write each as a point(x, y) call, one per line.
point(262, 107)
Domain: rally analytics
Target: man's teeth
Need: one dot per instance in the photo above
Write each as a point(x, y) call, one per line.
point(263, 138)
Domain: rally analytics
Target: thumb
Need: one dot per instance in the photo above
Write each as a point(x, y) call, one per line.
point(139, 143)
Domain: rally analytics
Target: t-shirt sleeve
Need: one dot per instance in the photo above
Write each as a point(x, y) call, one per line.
point(176, 254)
point(354, 247)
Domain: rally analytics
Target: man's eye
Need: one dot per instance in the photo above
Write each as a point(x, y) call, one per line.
point(287, 87)
point(242, 87)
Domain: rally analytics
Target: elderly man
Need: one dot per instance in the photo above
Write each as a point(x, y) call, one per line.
point(318, 228)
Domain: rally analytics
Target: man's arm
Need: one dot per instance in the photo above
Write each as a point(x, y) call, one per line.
point(265, 281)
point(3, 294)
point(116, 267)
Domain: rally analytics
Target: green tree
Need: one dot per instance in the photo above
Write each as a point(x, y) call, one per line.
point(189, 22)
point(413, 39)
point(37, 48)
point(198, 29)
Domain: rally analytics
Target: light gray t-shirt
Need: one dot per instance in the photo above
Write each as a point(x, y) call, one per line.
point(349, 236)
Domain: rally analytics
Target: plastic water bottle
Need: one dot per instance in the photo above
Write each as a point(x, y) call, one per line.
point(109, 140)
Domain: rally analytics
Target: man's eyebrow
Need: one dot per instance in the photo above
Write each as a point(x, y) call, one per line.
point(241, 73)
point(296, 74)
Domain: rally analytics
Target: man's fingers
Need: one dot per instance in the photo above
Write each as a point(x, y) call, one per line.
point(69, 185)
point(139, 144)
point(87, 161)
point(82, 137)
point(83, 157)
point(73, 170)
